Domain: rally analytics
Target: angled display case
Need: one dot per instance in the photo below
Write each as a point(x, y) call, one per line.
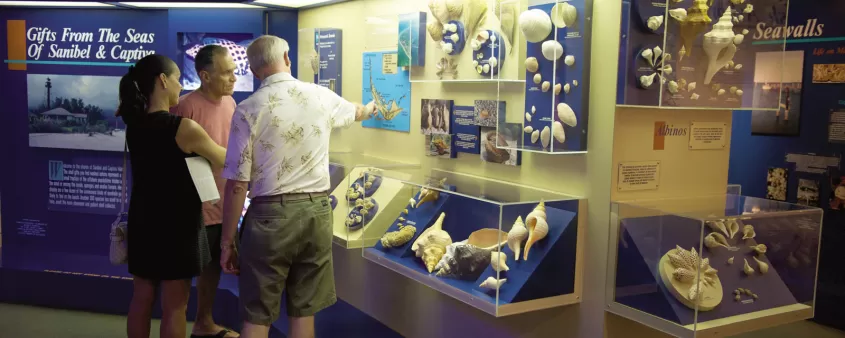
point(364, 191)
point(713, 266)
point(703, 53)
point(553, 113)
point(500, 247)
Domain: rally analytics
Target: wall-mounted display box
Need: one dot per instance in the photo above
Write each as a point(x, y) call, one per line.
point(500, 247)
point(364, 191)
point(713, 266)
point(707, 54)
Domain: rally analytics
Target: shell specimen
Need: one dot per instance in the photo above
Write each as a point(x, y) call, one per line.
point(467, 262)
point(715, 239)
point(498, 260)
point(545, 137)
point(355, 192)
point(558, 87)
point(528, 117)
point(748, 232)
point(535, 136)
point(528, 129)
point(552, 50)
point(397, 238)
point(569, 60)
point(720, 92)
point(647, 80)
point(762, 266)
point(564, 15)
point(673, 87)
point(537, 226)
point(679, 14)
point(655, 22)
point(718, 226)
point(475, 13)
point(507, 17)
point(532, 65)
point(759, 249)
point(694, 24)
point(689, 268)
point(733, 227)
point(492, 283)
point(748, 9)
point(566, 89)
point(557, 132)
point(488, 239)
point(718, 45)
point(694, 96)
point(546, 86)
point(535, 25)
point(516, 236)
point(648, 54)
point(738, 39)
point(747, 268)
point(435, 30)
point(575, 83)
point(538, 78)
point(431, 245)
point(691, 86)
point(730, 261)
point(566, 114)
point(739, 92)
point(427, 195)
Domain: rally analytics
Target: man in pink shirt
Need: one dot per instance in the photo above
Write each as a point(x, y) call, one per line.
point(212, 106)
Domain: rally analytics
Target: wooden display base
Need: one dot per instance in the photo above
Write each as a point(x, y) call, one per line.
point(389, 204)
point(710, 298)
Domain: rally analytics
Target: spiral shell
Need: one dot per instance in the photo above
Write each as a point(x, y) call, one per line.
point(537, 226)
point(516, 236)
point(762, 266)
point(747, 268)
point(432, 252)
point(492, 283)
point(748, 232)
point(498, 260)
point(683, 275)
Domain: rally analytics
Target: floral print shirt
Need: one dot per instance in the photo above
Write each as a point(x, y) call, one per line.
point(279, 140)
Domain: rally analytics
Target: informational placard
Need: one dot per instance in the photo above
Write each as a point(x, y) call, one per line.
point(84, 186)
point(389, 64)
point(328, 44)
point(812, 163)
point(634, 176)
point(836, 128)
point(466, 133)
point(707, 135)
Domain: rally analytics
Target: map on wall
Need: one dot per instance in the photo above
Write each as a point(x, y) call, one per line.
point(389, 87)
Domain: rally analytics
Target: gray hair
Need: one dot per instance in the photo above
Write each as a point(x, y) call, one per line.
point(267, 50)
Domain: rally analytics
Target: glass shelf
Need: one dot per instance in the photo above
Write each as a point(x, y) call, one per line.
point(469, 218)
point(695, 55)
point(756, 260)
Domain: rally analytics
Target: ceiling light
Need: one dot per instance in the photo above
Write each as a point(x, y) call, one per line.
point(188, 5)
point(291, 3)
point(55, 3)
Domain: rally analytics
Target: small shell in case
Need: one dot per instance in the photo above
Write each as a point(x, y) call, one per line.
point(493, 284)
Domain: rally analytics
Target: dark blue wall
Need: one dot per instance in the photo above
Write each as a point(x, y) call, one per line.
point(752, 155)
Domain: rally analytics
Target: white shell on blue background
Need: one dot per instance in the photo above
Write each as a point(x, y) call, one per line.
point(566, 114)
point(552, 50)
point(569, 60)
point(557, 132)
point(535, 25)
point(564, 15)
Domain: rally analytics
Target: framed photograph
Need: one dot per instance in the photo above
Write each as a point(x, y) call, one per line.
point(439, 145)
point(829, 73)
point(776, 184)
point(507, 136)
point(435, 117)
point(808, 192)
point(784, 93)
point(236, 43)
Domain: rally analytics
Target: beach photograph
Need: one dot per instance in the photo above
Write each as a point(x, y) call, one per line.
point(74, 112)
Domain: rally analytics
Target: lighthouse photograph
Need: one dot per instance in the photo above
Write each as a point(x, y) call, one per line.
point(74, 112)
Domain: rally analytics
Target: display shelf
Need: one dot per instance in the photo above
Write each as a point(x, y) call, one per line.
point(702, 54)
point(553, 115)
point(464, 217)
point(663, 247)
point(352, 169)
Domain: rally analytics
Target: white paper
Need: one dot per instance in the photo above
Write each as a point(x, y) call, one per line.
point(203, 178)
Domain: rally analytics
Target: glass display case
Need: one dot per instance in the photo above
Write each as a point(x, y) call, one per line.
point(500, 247)
point(705, 54)
point(552, 114)
point(713, 266)
point(364, 191)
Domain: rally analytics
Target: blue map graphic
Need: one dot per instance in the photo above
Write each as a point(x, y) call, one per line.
point(390, 92)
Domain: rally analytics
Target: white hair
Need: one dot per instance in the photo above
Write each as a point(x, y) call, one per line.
point(267, 50)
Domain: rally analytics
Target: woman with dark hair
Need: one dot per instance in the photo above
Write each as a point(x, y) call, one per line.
point(166, 243)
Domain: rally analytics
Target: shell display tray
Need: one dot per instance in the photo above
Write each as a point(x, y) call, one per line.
point(647, 241)
point(549, 271)
point(364, 219)
point(388, 203)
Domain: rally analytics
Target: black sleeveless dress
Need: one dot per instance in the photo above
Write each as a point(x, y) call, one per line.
point(167, 239)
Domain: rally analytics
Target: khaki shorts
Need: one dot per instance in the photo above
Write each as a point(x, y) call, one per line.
point(286, 244)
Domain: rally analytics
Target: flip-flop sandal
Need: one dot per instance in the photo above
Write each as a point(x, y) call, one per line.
point(221, 334)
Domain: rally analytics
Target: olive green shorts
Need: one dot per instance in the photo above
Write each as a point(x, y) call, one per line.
point(286, 244)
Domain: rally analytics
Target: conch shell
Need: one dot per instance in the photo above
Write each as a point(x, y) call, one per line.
point(517, 234)
point(733, 227)
point(432, 235)
point(432, 252)
point(719, 46)
point(537, 226)
point(427, 195)
point(492, 283)
point(464, 261)
point(762, 266)
point(748, 232)
point(715, 239)
point(397, 238)
point(694, 24)
point(498, 260)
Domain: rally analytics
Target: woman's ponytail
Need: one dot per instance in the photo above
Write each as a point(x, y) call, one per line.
point(133, 103)
point(137, 85)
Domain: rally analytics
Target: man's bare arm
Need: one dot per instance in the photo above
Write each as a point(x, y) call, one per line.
point(363, 112)
point(234, 197)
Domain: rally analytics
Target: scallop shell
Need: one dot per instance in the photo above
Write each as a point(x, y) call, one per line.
point(552, 50)
point(528, 129)
point(492, 283)
point(545, 137)
point(467, 262)
point(747, 268)
point(398, 238)
point(564, 15)
point(516, 236)
point(498, 260)
point(538, 78)
point(566, 114)
point(557, 132)
point(546, 86)
point(567, 88)
point(762, 266)
point(532, 65)
point(748, 232)
point(558, 87)
point(535, 25)
point(569, 60)
point(537, 226)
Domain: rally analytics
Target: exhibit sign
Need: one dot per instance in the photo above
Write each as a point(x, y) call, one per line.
point(708, 135)
point(235, 43)
point(634, 176)
point(389, 87)
point(466, 133)
point(328, 43)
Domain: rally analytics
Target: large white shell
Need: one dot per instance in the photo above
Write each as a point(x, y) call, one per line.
point(538, 78)
point(492, 283)
point(546, 136)
point(537, 226)
point(535, 25)
point(528, 129)
point(557, 132)
point(566, 114)
point(498, 261)
point(535, 136)
point(532, 65)
point(517, 235)
point(569, 60)
point(552, 50)
point(655, 22)
point(564, 15)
